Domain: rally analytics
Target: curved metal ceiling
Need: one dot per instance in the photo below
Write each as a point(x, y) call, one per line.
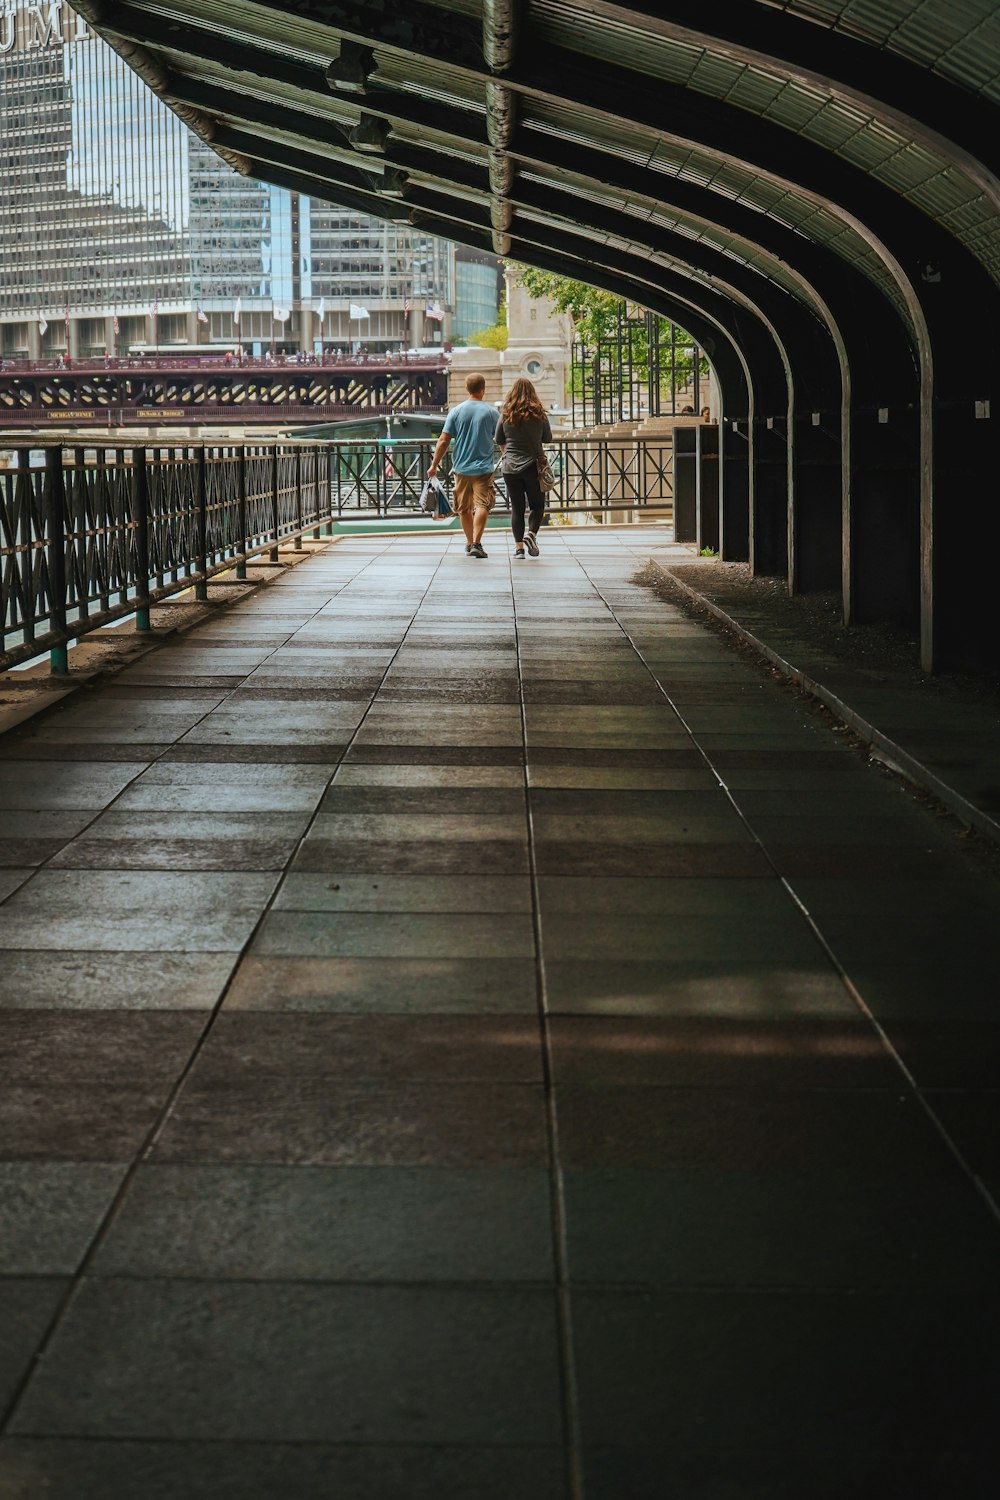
point(854, 130)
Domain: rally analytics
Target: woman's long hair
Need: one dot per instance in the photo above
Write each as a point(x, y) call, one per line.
point(521, 404)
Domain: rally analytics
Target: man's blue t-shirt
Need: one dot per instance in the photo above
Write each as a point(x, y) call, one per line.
point(471, 427)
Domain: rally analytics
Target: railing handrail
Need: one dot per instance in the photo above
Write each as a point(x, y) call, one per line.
point(107, 526)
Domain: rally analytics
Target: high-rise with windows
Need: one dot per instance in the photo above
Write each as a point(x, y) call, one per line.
point(119, 227)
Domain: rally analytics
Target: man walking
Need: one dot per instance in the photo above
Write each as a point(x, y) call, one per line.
point(472, 425)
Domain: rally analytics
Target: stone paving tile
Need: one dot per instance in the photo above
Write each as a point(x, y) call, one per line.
point(747, 1129)
point(439, 894)
point(184, 788)
point(950, 1051)
point(699, 987)
point(136, 910)
point(27, 1306)
point(183, 753)
point(442, 757)
point(386, 986)
point(63, 1469)
point(29, 838)
point(329, 724)
point(468, 824)
point(292, 934)
point(353, 1176)
point(756, 1227)
point(430, 856)
point(691, 778)
point(184, 841)
point(10, 879)
point(70, 785)
point(482, 802)
point(278, 1119)
point(314, 1048)
point(694, 1052)
point(972, 1120)
point(298, 1362)
point(740, 902)
point(682, 860)
point(824, 1473)
point(656, 1369)
point(28, 748)
point(428, 776)
point(46, 980)
point(643, 825)
point(50, 1212)
point(85, 1088)
point(380, 1225)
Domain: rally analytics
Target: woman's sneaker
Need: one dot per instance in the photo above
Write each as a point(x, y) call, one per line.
point(530, 543)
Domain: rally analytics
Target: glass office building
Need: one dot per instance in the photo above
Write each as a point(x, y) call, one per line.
point(113, 212)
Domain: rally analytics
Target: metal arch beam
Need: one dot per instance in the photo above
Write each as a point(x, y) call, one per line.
point(419, 34)
point(782, 243)
point(773, 238)
point(340, 169)
point(925, 106)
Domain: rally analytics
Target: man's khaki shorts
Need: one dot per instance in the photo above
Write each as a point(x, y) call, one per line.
point(474, 492)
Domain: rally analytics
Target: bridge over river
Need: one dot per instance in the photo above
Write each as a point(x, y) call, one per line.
point(212, 389)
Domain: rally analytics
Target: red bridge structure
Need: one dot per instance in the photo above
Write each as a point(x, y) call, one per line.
point(208, 388)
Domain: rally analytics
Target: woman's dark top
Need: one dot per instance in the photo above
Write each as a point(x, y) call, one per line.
point(523, 442)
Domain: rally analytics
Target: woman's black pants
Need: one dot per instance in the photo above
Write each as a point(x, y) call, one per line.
point(525, 494)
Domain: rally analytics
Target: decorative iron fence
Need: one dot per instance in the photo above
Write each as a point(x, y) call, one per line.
point(90, 535)
point(642, 366)
point(593, 475)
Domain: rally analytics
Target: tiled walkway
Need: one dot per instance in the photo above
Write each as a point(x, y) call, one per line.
point(429, 1072)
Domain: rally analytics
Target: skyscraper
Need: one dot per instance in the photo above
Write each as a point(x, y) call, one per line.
point(111, 210)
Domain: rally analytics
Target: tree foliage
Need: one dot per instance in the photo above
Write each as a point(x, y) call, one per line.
point(490, 338)
point(594, 313)
point(597, 317)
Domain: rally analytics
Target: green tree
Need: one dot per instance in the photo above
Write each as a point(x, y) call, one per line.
point(491, 338)
point(597, 316)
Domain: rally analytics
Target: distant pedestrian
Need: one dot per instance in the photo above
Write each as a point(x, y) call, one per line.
point(472, 425)
point(521, 433)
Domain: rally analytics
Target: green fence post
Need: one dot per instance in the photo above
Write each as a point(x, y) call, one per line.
point(55, 527)
point(140, 518)
point(201, 495)
point(275, 512)
point(241, 519)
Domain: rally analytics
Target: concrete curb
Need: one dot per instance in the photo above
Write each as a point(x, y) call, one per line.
point(900, 760)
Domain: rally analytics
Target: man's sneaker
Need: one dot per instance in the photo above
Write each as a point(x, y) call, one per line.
point(468, 548)
point(530, 543)
point(519, 552)
point(477, 550)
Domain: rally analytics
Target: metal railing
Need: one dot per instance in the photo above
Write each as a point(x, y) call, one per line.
point(593, 475)
point(93, 534)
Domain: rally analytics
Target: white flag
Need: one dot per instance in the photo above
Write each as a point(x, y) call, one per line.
point(237, 310)
point(321, 310)
point(202, 316)
point(434, 310)
point(280, 314)
point(115, 324)
point(358, 312)
point(43, 323)
point(154, 311)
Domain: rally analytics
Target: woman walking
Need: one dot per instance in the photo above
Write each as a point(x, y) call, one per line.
point(522, 431)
